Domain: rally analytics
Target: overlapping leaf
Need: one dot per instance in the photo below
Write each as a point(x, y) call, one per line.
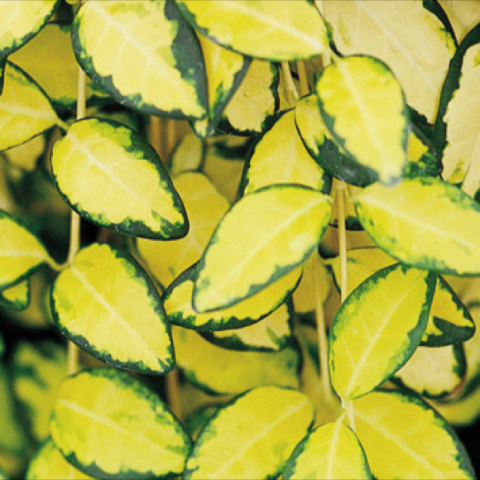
point(20, 22)
point(390, 32)
point(264, 236)
point(16, 297)
point(268, 29)
point(25, 110)
point(222, 371)
point(225, 70)
point(324, 149)
point(252, 106)
point(178, 303)
point(434, 372)
point(48, 462)
point(350, 91)
point(403, 437)
point(331, 451)
point(377, 328)
point(103, 418)
point(205, 207)
point(280, 157)
point(443, 235)
point(268, 422)
point(144, 55)
point(105, 303)
point(111, 176)
point(188, 155)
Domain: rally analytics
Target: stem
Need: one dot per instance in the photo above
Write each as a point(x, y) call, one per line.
point(350, 415)
point(321, 333)
point(303, 78)
point(73, 351)
point(342, 238)
point(173, 393)
point(155, 134)
point(289, 83)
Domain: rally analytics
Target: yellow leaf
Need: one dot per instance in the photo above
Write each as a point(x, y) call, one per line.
point(264, 236)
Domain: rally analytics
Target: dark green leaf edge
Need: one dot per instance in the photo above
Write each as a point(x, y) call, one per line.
point(415, 335)
point(190, 274)
point(155, 302)
point(450, 86)
point(127, 381)
point(16, 306)
point(136, 228)
point(277, 273)
point(330, 120)
point(186, 50)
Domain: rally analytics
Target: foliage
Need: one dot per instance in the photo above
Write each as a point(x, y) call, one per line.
point(259, 224)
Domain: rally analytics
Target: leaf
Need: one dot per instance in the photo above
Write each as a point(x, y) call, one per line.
point(433, 372)
point(187, 155)
point(49, 463)
point(225, 70)
point(178, 303)
point(267, 424)
point(25, 156)
point(324, 149)
point(349, 93)
point(38, 371)
point(272, 333)
point(403, 437)
point(204, 207)
point(449, 322)
point(264, 236)
point(106, 304)
point(25, 110)
point(21, 253)
point(222, 371)
point(390, 32)
point(461, 157)
point(472, 354)
point(144, 55)
point(280, 157)
point(272, 30)
point(16, 297)
point(252, 106)
point(377, 329)
point(112, 177)
point(103, 418)
point(20, 22)
point(50, 61)
point(331, 451)
point(444, 235)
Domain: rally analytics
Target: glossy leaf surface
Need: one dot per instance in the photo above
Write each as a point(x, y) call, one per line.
point(281, 158)
point(144, 55)
point(331, 451)
point(178, 303)
point(350, 92)
point(390, 32)
point(377, 329)
point(222, 371)
point(122, 321)
point(264, 236)
point(25, 110)
point(111, 176)
point(443, 235)
point(403, 437)
point(272, 29)
point(263, 425)
point(103, 417)
point(21, 253)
